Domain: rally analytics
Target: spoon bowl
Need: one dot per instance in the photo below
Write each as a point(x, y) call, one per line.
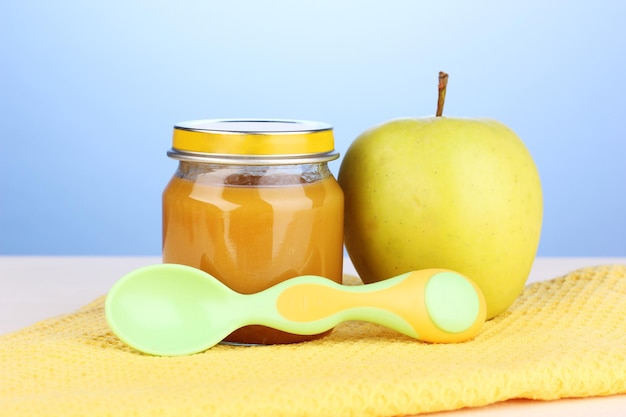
point(170, 309)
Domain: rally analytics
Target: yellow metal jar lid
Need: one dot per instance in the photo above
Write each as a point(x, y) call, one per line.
point(253, 141)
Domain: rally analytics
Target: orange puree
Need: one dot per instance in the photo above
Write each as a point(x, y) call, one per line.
point(253, 236)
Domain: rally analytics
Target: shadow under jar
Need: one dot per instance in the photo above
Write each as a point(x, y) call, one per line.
point(253, 203)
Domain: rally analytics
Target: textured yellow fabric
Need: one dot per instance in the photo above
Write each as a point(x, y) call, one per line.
point(562, 338)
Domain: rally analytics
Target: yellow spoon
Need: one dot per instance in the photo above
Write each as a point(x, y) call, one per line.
point(172, 310)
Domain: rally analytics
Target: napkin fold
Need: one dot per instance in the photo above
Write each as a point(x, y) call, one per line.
point(562, 338)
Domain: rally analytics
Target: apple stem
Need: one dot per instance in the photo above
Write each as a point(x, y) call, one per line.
point(443, 84)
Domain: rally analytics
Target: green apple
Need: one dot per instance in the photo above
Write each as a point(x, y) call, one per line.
point(441, 192)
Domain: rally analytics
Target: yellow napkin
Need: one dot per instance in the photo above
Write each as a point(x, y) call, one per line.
point(562, 338)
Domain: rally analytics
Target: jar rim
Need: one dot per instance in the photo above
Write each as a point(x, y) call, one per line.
point(251, 159)
point(251, 138)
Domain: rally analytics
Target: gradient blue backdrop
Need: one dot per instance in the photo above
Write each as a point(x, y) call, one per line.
point(90, 90)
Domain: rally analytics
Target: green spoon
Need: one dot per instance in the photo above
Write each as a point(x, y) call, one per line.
point(172, 310)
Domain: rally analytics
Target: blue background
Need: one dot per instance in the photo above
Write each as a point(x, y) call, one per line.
point(90, 90)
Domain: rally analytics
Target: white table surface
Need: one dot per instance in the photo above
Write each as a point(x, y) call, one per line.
point(35, 288)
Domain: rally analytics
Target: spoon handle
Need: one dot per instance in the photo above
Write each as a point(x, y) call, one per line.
point(432, 305)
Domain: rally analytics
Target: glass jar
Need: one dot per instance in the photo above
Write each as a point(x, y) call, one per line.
point(253, 203)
